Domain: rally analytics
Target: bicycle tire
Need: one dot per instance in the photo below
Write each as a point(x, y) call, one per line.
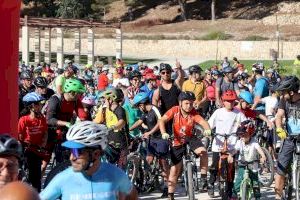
point(288, 189)
point(297, 192)
point(267, 182)
point(224, 182)
point(56, 170)
point(190, 181)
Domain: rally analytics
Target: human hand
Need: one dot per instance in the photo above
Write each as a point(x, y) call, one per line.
point(146, 135)
point(165, 136)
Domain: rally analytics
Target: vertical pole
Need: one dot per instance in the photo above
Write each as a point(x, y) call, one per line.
point(119, 43)
point(37, 45)
point(9, 40)
point(77, 36)
point(90, 46)
point(48, 45)
point(60, 47)
point(25, 42)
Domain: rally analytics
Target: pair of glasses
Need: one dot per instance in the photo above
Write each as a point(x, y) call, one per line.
point(166, 72)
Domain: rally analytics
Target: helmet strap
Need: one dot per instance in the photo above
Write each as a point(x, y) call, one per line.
point(91, 162)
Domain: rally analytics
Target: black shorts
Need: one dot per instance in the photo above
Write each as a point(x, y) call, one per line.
point(177, 152)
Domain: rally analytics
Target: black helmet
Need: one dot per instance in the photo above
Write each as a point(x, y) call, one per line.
point(259, 67)
point(186, 96)
point(195, 68)
point(133, 74)
point(10, 146)
point(26, 75)
point(40, 82)
point(164, 66)
point(227, 69)
point(289, 83)
point(242, 76)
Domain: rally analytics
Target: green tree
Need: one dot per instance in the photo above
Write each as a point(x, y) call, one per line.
point(100, 7)
point(73, 9)
point(182, 4)
point(42, 7)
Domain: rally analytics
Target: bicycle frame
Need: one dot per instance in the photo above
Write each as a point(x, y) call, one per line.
point(224, 154)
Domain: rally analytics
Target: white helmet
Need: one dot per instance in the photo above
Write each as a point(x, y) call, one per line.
point(86, 134)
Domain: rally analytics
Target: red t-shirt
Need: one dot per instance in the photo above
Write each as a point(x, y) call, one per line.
point(182, 126)
point(32, 130)
point(248, 113)
point(102, 81)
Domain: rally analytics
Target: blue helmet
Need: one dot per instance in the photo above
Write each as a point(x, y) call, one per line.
point(216, 72)
point(32, 97)
point(227, 69)
point(141, 97)
point(246, 96)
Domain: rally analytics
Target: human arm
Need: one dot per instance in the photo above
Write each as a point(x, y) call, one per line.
point(155, 98)
point(53, 189)
point(136, 125)
point(52, 113)
point(59, 83)
point(261, 153)
point(165, 118)
point(180, 75)
point(217, 93)
point(265, 119)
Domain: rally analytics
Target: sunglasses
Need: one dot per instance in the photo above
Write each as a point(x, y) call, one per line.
point(77, 152)
point(166, 72)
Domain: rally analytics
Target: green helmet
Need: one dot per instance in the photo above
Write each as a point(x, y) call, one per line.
point(112, 93)
point(74, 85)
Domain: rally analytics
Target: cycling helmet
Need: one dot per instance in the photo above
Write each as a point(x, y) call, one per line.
point(74, 85)
point(229, 95)
point(186, 96)
point(40, 82)
point(32, 97)
point(227, 69)
point(86, 134)
point(246, 96)
point(26, 75)
point(73, 68)
point(89, 101)
point(139, 98)
point(128, 68)
point(165, 66)
point(246, 127)
point(242, 76)
point(133, 74)
point(112, 93)
point(9, 146)
point(150, 76)
point(258, 66)
point(289, 83)
point(195, 69)
point(216, 72)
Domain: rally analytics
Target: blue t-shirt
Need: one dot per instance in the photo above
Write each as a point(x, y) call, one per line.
point(105, 184)
point(261, 89)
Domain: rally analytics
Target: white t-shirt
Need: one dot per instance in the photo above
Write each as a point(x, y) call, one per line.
point(248, 152)
point(271, 104)
point(225, 122)
point(122, 81)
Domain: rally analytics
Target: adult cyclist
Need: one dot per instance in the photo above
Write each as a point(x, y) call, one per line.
point(89, 178)
point(289, 108)
point(184, 119)
point(25, 86)
point(10, 155)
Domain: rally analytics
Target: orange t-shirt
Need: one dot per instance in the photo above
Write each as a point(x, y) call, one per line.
point(102, 81)
point(182, 126)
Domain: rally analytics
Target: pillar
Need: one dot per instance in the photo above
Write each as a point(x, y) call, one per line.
point(60, 47)
point(110, 60)
point(118, 43)
point(25, 42)
point(37, 45)
point(48, 45)
point(91, 46)
point(77, 36)
point(9, 56)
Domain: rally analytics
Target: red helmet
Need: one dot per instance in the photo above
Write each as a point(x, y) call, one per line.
point(229, 95)
point(150, 76)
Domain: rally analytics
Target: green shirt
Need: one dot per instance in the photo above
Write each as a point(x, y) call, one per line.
point(132, 115)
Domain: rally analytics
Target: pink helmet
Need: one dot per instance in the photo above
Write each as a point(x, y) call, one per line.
point(89, 101)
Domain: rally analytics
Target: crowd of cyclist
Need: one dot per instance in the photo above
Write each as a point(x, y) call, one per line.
point(105, 107)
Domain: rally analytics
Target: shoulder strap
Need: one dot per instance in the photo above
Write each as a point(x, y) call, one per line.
point(157, 113)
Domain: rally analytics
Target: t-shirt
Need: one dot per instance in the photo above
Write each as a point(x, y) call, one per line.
point(33, 130)
point(248, 152)
point(271, 104)
point(104, 184)
point(60, 80)
point(223, 85)
point(292, 114)
point(102, 81)
point(198, 88)
point(150, 119)
point(132, 114)
point(121, 81)
point(225, 122)
point(182, 126)
point(261, 89)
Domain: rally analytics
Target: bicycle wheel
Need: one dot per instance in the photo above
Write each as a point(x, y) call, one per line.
point(297, 192)
point(266, 170)
point(56, 170)
point(190, 181)
point(288, 189)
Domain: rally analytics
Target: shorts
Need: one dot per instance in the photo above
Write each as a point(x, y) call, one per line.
point(158, 147)
point(177, 152)
point(285, 156)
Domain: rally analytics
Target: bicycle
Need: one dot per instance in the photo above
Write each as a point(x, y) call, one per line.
point(266, 169)
point(292, 184)
point(225, 168)
point(246, 188)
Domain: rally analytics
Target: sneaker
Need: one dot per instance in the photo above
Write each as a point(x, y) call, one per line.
point(210, 191)
point(164, 193)
point(171, 196)
point(203, 185)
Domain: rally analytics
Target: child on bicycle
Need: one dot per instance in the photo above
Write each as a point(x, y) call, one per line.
point(248, 150)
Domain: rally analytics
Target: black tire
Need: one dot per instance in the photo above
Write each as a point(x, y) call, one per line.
point(190, 181)
point(57, 169)
point(223, 180)
point(266, 171)
point(288, 189)
point(297, 192)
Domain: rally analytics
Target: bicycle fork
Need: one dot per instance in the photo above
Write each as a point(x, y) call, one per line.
point(295, 167)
